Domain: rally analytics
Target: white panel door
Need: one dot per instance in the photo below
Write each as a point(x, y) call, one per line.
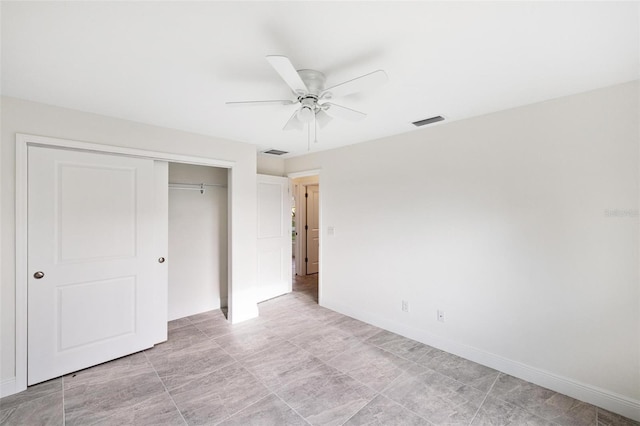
point(313, 228)
point(274, 237)
point(93, 260)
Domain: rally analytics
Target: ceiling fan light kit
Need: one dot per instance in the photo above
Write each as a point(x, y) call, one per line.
point(312, 97)
point(305, 114)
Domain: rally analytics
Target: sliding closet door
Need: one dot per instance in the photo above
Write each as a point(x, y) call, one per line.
point(96, 285)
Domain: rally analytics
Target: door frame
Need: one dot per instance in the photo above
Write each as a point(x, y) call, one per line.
point(306, 233)
point(303, 174)
point(23, 142)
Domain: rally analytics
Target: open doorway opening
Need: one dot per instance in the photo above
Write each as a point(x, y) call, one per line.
point(306, 235)
point(198, 240)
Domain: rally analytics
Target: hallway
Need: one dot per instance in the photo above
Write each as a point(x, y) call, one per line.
point(306, 286)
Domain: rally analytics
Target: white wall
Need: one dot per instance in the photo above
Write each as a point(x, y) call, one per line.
point(521, 225)
point(270, 165)
point(197, 241)
point(20, 116)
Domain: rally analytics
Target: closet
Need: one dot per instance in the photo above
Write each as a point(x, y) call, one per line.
point(198, 233)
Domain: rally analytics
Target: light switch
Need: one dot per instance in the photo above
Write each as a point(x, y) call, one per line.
point(331, 230)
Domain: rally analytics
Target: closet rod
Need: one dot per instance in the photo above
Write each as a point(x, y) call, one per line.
point(195, 186)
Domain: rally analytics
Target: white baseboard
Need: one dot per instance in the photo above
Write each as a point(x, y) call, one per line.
point(603, 398)
point(193, 309)
point(8, 387)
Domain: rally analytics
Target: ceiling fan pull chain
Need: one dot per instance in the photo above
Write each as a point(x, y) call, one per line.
point(315, 129)
point(309, 137)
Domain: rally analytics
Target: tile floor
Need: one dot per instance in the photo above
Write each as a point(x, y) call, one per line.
point(297, 364)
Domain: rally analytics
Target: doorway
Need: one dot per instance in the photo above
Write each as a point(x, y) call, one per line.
point(312, 229)
point(306, 235)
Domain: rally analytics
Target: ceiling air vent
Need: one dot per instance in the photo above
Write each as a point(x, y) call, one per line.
point(275, 152)
point(428, 121)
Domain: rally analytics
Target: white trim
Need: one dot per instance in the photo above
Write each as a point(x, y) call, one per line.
point(130, 152)
point(21, 265)
point(599, 397)
point(296, 175)
point(8, 387)
point(23, 141)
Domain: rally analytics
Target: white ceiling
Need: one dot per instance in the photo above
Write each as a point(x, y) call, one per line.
point(174, 64)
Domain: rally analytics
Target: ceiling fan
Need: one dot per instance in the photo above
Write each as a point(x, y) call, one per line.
point(313, 98)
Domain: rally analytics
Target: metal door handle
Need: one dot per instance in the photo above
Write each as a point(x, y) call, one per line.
point(38, 275)
point(161, 260)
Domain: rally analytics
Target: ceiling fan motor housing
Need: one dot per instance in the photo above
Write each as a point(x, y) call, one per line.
point(314, 80)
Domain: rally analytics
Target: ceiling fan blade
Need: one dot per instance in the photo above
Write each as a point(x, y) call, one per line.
point(283, 66)
point(343, 112)
point(261, 103)
point(322, 118)
point(358, 84)
point(293, 123)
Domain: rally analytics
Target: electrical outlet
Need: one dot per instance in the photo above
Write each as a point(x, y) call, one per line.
point(405, 306)
point(440, 315)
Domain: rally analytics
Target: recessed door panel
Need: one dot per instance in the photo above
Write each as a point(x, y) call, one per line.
point(86, 195)
point(271, 273)
point(271, 198)
point(82, 309)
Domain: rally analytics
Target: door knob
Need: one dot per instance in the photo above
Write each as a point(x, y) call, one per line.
point(38, 275)
point(161, 260)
